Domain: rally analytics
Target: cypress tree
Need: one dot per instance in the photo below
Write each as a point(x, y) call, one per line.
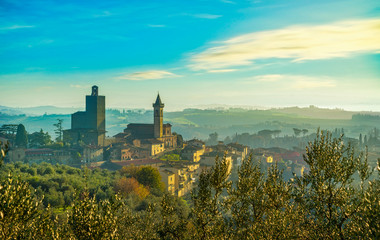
point(21, 136)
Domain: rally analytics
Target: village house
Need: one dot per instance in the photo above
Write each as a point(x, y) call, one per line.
point(193, 150)
point(92, 153)
point(184, 177)
point(169, 179)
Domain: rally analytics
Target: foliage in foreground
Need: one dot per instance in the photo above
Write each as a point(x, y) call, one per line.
point(325, 203)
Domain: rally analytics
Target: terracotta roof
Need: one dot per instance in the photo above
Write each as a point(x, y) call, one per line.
point(138, 162)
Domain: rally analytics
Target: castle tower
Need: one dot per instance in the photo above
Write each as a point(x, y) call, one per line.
point(89, 126)
point(95, 110)
point(158, 107)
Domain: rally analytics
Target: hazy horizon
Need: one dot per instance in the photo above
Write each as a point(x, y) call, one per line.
point(200, 107)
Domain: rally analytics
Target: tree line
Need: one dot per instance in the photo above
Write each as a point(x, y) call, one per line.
point(324, 203)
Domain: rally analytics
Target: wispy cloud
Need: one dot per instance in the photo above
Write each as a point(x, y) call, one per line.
point(296, 82)
point(14, 27)
point(268, 78)
point(156, 25)
point(300, 43)
point(222, 70)
point(148, 75)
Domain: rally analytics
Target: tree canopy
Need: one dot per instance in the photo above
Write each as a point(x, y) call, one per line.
point(39, 139)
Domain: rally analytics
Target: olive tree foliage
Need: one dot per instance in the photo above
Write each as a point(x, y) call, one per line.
point(336, 199)
point(172, 220)
point(330, 201)
point(165, 219)
point(89, 219)
point(260, 204)
point(368, 219)
point(325, 203)
point(4, 147)
point(21, 216)
point(207, 213)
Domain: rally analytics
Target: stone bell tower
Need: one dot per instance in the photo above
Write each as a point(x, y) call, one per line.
point(158, 107)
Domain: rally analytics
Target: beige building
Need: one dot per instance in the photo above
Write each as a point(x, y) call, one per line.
point(192, 153)
point(140, 148)
point(238, 149)
point(184, 177)
point(169, 179)
point(16, 154)
point(92, 153)
point(155, 146)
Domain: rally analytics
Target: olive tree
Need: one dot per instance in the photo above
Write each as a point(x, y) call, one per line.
point(327, 194)
point(260, 204)
point(207, 213)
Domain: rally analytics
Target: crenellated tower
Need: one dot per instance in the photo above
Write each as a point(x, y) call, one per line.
point(158, 107)
point(89, 126)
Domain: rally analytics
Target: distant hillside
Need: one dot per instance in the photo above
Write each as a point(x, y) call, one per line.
point(36, 111)
point(200, 123)
point(315, 112)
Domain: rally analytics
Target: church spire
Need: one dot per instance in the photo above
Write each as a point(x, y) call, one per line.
point(158, 107)
point(158, 102)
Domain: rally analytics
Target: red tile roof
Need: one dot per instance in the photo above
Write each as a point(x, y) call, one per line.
point(139, 162)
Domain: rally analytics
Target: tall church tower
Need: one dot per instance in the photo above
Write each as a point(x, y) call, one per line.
point(158, 107)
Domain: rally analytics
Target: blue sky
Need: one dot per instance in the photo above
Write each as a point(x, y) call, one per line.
point(254, 53)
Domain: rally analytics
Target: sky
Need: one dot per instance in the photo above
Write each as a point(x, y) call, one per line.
point(273, 53)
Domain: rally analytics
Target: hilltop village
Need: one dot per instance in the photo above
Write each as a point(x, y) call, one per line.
point(179, 162)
